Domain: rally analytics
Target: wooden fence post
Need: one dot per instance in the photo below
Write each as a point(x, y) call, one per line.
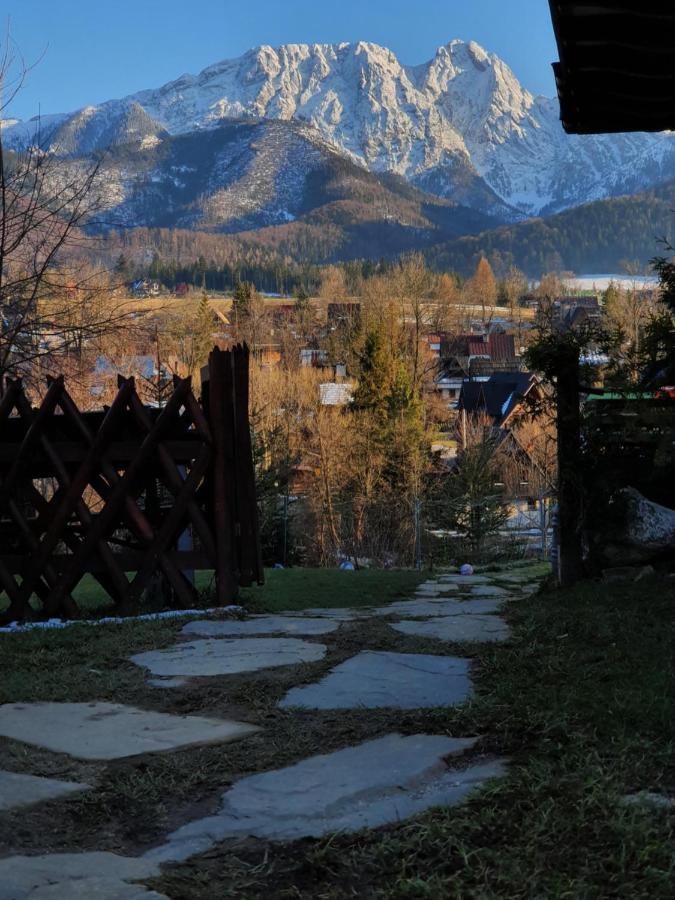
point(570, 495)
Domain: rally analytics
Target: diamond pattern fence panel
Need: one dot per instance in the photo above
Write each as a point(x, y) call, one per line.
point(138, 497)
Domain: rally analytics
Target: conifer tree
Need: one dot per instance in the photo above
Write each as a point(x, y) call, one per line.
point(203, 330)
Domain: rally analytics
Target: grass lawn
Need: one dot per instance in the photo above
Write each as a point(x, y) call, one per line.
point(295, 588)
point(581, 701)
point(306, 588)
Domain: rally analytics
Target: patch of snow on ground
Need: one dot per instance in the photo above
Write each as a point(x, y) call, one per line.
point(19, 627)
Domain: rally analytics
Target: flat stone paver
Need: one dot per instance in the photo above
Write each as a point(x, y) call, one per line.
point(17, 789)
point(442, 591)
point(421, 608)
point(649, 799)
point(64, 876)
point(489, 590)
point(111, 731)
point(213, 656)
point(435, 587)
point(340, 614)
point(457, 628)
point(372, 784)
point(464, 579)
point(261, 625)
point(376, 678)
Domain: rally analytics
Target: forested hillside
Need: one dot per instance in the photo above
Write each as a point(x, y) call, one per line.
point(595, 237)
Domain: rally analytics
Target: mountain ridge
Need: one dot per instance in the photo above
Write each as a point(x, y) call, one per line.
point(460, 125)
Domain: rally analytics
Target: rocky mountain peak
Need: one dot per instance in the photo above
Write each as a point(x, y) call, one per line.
point(461, 115)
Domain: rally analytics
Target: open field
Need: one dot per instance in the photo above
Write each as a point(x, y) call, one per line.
point(177, 305)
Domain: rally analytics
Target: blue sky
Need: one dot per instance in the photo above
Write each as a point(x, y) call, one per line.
point(95, 50)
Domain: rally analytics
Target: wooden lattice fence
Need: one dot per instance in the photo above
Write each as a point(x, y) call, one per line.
point(632, 442)
point(139, 497)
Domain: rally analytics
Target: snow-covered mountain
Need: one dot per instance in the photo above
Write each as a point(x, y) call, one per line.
point(250, 174)
point(460, 126)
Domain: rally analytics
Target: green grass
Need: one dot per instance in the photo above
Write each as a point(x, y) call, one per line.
point(90, 662)
point(299, 588)
point(296, 588)
point(582, 703)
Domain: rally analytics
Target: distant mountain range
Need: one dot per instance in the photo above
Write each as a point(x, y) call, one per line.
point(346, 136)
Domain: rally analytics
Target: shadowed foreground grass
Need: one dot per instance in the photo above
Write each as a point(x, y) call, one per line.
point(582, 703)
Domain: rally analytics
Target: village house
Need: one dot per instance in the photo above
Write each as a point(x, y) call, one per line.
point(501, 401)
point(475, 357)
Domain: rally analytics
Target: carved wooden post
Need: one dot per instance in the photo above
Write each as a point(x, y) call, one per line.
point(570, 495)
point(217, 401)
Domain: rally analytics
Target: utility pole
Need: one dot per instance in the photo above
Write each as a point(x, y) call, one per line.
point(543, 524)
point(418, 534)
point(285, 525)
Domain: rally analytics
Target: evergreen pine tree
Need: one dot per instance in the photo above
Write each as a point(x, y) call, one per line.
point(203, 331)
point(122, 267)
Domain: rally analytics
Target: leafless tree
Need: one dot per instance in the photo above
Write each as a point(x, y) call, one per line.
point(52, 302)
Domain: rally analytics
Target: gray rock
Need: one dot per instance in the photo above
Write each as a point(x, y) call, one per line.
point(17, 789)
point(261, 625)
point(645, 572)
point(457, 628)
point(375, 679)
point(375, 783)
point(619, 573)
point(212, 656)
point(62, 876)
point(646, 532)
point(111, 731)
point(650, 524)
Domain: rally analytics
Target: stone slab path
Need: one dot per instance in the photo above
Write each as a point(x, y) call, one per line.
point(374, 783)
point(421, 608)
point(227, 657)
point(489, 590)
point(457, 628)
point(305, 625)
point(377, 782)
point(339, 614)
point(17, 789)
point(374, 679)
point(434, 589)
point(67, 876)
point(111, 731)
point(468, 580)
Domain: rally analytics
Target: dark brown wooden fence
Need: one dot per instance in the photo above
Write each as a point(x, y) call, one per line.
point(632, 442)
point(139, 497)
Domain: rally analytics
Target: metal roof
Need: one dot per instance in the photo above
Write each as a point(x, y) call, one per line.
point(617, 64)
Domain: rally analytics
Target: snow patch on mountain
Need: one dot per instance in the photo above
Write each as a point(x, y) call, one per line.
point(463, 113)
